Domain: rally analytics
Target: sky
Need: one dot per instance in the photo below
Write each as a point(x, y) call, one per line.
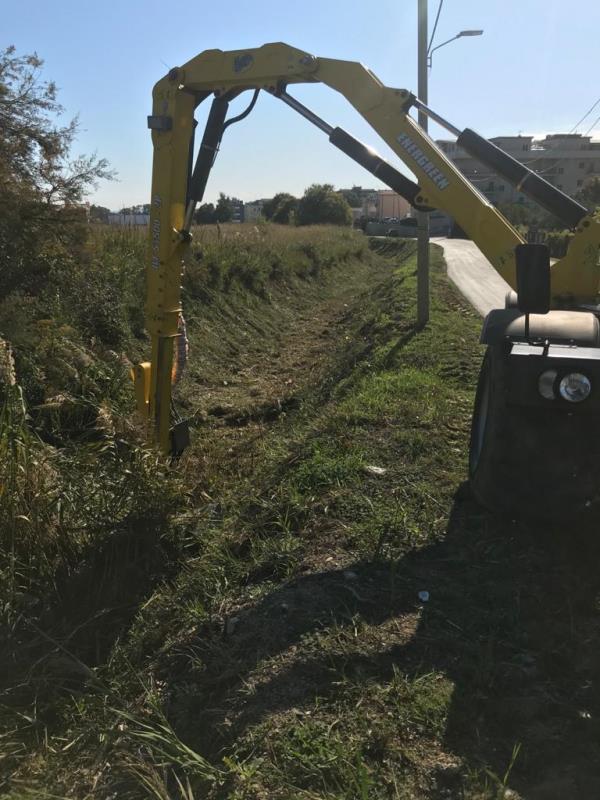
point(535, 70)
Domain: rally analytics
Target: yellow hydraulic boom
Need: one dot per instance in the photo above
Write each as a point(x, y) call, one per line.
point(272, 68)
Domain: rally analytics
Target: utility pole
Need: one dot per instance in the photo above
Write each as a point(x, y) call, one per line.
point(422, 218)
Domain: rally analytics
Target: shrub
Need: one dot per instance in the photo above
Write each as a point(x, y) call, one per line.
point(321, 205)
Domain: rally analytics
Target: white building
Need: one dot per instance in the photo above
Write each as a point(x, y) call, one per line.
point(253, 211)
point(369, 205)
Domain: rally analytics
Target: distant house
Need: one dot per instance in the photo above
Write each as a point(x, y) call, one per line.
point(128, 220)
point(253, 211)
point(369, 205)
point(391, 205)
point(237, 207)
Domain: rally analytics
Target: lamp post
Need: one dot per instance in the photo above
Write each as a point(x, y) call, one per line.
point(443, 44)
point(422, 217)
point(425, 55)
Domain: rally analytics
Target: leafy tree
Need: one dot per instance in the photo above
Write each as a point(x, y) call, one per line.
point(205, 214)
point(322, 205)
point(530, 216)
point(41, 184)
point(353, 196)
point(285, 212)
point(269, 207)
point(141, 209)
point(282, 204)
point(224, 209)
point(285, 207)
point(590, 194)
point(99, 213)
point(520, 214)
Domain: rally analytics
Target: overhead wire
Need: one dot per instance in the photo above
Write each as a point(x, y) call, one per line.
point(592, 126)
point(587, 113)
point(435, 24)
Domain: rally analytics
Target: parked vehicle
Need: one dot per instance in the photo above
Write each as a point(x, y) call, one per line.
point(404, 228)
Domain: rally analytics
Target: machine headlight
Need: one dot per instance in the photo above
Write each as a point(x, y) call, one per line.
point(575, 387)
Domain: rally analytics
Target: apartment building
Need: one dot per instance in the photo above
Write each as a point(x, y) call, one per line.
point(567, 160)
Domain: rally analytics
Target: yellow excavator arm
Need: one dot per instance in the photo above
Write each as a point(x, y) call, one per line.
point(177, 187)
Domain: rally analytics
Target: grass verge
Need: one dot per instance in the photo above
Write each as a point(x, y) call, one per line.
point(342, 620)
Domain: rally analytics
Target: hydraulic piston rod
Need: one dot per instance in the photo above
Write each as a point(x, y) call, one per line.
point(359, 152)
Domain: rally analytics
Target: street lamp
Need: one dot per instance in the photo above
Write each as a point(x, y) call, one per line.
point(458, 36)
point(424, 56)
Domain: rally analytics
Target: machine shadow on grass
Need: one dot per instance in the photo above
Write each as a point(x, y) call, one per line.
point(76, 626)
point(511, 621)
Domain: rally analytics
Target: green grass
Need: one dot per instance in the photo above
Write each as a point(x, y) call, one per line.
point(273, 643)
point(89, 515)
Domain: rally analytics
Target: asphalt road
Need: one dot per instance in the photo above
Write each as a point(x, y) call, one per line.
point(473, 274)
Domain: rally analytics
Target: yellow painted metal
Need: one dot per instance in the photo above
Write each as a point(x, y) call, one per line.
point(263, 67)
point(166, 246)
point(141, 379)
point(575, 278)
point(443, 186)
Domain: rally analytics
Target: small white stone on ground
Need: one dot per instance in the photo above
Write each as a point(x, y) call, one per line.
point(371, 469)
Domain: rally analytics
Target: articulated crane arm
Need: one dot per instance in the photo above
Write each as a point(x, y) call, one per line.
point(176, 187)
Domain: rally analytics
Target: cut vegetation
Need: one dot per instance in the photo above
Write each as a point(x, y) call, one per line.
point(309, 604)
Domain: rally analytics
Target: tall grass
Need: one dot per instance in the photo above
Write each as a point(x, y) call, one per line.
point(257, 256)
point(26, 492)
point(91, 518)
point(71, 463)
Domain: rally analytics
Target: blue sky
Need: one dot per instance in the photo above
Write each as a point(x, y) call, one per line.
point(536, 69)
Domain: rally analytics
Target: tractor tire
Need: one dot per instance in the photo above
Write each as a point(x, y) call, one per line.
point(530, 462)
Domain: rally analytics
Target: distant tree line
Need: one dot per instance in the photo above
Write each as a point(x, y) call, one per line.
point(223, 211)
point(320, 205)
point(101, 213)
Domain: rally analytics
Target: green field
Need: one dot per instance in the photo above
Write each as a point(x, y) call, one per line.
point(250, 623)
